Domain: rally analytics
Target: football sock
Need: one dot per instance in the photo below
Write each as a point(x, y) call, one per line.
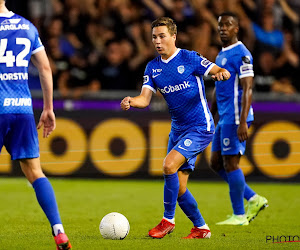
point(57, 229)
point(170, 220)
point(171, 189)
point(189, 206)
point(46, 198)
point(248, 193)
point(236, 181)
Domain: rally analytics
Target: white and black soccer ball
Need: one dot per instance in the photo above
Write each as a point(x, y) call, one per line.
point(114, 226)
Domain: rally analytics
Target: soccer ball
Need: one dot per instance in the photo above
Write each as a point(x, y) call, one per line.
point(114, 226)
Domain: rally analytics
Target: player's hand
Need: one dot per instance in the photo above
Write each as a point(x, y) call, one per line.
point(47, 120)
point(242, 132)
point(125, 103)
point(221, 76)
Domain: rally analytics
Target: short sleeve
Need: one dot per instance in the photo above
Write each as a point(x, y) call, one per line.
point(148, 81)
point(245, 62)
point(202, 66)
point(37, 43)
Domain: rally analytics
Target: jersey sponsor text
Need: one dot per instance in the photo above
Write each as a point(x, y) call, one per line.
point(171, 89)
point(17, 102)
point(13, 76)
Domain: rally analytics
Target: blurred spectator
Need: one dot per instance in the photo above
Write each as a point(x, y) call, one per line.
point(264, 72)
point(105, 44)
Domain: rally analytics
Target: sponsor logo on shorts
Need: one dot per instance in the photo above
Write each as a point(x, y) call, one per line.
point(182, 148)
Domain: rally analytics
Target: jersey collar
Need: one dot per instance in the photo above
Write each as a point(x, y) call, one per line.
point(8, 14)
point(171, 57)
point(232, 46)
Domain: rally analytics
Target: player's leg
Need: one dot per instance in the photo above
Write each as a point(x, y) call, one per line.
point(216, 161)
point(171, 164)
point(22, 143)
point(236, 182)
point(189, 206)
point(46, 198)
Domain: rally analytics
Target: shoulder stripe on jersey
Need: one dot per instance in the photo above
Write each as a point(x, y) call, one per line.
point(149, 87)
point(37, 50)
point(203, 102)
point(236, 100)
point(209, 68)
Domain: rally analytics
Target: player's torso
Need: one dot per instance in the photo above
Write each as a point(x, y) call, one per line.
point(229, 93)
point(16, 41)
point(181, 88)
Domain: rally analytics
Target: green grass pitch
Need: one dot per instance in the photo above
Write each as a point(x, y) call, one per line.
point(83, 203)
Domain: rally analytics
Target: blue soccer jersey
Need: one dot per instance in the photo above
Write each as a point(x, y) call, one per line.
point(239, 62)
point(180, 80)
point(19, 39)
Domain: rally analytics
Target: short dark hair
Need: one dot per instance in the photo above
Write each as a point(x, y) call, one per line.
point(165, 21)
point(233, 15)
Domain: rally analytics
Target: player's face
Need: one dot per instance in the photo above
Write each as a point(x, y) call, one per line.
point(228, 29)
point(163, 41)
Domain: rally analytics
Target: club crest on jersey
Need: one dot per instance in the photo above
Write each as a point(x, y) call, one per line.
point(180, 69)
point(187, 142)
point(226, 141)
point(224, 61)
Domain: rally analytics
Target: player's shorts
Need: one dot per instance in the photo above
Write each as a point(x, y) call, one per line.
point(18, 134)
point(226, 140)
point(190, 143)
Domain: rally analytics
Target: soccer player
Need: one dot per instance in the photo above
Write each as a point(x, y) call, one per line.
point(19, 41)
point(178, 75)
point(232, 99)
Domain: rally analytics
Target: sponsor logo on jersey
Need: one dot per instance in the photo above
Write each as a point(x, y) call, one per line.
point(246, 68)
point(13, 24)
point(188, 142)
point(205, 63)
point(13, 76)
point(180, 69)
point(145, 79)
point(246, 59)
point(17, 102)
point(175, 88)
point(156, 72)
point(226, 141)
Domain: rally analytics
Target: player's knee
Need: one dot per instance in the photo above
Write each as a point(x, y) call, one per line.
point(169, 168)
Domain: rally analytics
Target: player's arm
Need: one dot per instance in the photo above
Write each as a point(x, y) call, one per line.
point(219, 74)
point(247, 83)
point(141, 101)
point(40, 60)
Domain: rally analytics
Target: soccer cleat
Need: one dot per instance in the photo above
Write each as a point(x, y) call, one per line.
point(235, 220)
point(62, 242)
point(162, 229)
point(255, 206)
point(197, 233)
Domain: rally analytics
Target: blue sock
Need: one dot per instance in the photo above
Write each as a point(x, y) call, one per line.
point(46, 198)
point(189, 206)
point(248, 193)
point(236, 181)
point(171, 190)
